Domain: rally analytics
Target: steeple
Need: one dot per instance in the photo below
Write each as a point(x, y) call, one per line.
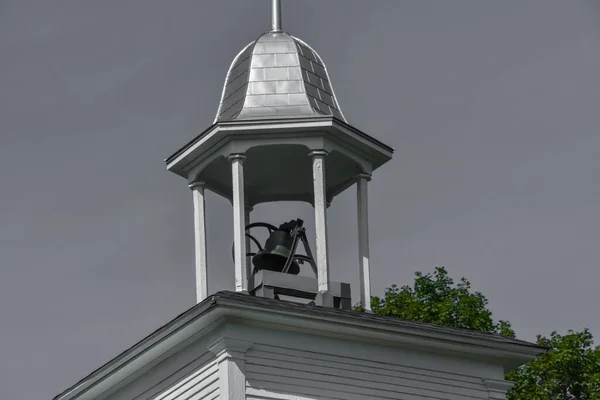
point(280, 135)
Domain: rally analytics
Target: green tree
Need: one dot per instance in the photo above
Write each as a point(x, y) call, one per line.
point(570, 370)
point(435, 299)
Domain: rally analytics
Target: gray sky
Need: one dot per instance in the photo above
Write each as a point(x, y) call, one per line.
point(493, 108)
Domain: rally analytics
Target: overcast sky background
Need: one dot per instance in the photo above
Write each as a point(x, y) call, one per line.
point(493, 108)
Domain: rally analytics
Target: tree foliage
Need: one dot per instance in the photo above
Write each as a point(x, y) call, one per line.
point(570, 370)
point(436, 299)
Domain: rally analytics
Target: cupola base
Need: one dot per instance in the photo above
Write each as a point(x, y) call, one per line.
point(270, 284)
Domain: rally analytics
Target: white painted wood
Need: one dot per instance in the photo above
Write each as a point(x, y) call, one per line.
point(239, 235)
point(200, 240)
point(266, 363)
point(302, 360)
point(263, 394)
point(232, 379)
point(280, 372)
point(291, 365)
point(230, 355)
point(362, 201)
point(386, 361)
point(186, 363)
point(497, 388)
point(199, 385)
point(276, 361)
point(218, 136)
point(320, 203)
point(177, 379)
point(403, 344)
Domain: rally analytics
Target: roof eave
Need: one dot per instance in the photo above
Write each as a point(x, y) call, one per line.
point(178, 161)
point(510, 355)
point(189, 144)
point(218, 307)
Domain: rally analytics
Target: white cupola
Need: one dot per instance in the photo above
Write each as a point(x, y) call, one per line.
point(280, 135)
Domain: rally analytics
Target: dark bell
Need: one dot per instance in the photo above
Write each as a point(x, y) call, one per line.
point(276, 252)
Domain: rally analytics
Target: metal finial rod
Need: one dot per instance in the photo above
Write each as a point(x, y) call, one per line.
point(276, 16)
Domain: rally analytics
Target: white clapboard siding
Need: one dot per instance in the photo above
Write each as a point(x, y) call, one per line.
point(186, 376)
point(203, 384)
point(262, 394)
point(283, 373)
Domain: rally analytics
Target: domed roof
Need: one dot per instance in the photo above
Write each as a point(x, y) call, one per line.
point(277, 76)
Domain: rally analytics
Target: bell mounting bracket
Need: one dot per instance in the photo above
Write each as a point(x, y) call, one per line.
point(298, 234)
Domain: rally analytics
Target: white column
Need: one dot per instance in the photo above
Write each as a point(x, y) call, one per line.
point(231, 356)
point(200, 241)
point(239, 235)
point(362, 197)
point(318, 164)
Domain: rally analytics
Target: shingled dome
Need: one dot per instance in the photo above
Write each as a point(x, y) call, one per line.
point(277, 75)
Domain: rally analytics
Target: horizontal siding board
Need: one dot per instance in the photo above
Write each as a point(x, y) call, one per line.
point(378, 369)
point(362, 372)
point(203, 393)
point(205, 377)
point(265, 351)
point(343, 384)
point(366, 376)
point(261, 394)
point(164, 376)
point(318, 391)
point(282, 373)
point(214, 395)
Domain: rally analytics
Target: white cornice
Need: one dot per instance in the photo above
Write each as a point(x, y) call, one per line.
point(216, 310)
point(229, 344)
point(449, 342)
point(222, 132)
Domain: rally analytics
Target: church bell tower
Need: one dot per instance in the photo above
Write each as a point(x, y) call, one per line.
point(280, 135)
